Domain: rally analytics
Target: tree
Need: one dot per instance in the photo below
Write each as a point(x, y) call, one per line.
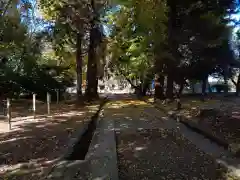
point(70, 24)
point(20, 47)
point(137, 34)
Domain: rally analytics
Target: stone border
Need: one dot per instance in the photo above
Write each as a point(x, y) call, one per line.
point(61, 162)
point(102, 155)
point(227, 162)
point(201, 130)
point(205, 132)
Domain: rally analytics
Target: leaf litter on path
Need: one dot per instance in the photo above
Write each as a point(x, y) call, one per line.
point(163, 154)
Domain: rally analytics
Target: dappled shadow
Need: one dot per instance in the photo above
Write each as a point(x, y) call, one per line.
point(133, 114)
point(34, 145)
point(224, 122)
point(161, 154)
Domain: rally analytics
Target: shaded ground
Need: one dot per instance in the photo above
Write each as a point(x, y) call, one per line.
point(34, 145)
point(224, 122)
point(162, 154)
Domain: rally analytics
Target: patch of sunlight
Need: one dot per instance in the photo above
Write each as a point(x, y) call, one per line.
point(93, 106)
point(151, 100)
point(71, 113)
point(128, 118)
point(22, 118)
point(74, 163)
point(15, 139)
point(124, 125)
point(116, 106)
point(140, 148)
point(235, 169)
point(32, 167)
point(100, 178)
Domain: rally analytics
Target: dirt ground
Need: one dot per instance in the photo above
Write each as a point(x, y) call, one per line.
point(224, 123)
point(161, 154)
point(34, 145)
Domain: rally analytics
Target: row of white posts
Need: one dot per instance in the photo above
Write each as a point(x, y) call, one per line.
point(9, 117)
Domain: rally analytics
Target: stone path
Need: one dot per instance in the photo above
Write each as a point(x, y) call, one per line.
point(132, 117)
point(133, 140)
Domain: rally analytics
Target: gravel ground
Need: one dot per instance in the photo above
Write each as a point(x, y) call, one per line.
point(162, 154)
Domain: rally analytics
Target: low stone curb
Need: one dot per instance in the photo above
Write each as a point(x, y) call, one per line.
point(61, 162)
point(205, 132)
point(196, 128)
point(100, 161)
point(228, 162)
point(102, 155)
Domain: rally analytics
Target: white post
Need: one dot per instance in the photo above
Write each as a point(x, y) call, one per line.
point(34, 106)
point(48, 102)
point(57, 96)
point(9, 113)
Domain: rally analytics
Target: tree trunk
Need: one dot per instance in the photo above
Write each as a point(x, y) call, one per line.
point(180, 89)
point(159, 84)
point(238, 85)
point(79, 66)
point(173, 44)
point(226, 85)
point(169, 91)
point(192, 87)
point(95, 40)
point(204, 87)
point(92, 80)
point(209, 87)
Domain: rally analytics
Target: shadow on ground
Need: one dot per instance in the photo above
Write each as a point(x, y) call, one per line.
point(34, 145)
point(147, 150)
point(161, 154)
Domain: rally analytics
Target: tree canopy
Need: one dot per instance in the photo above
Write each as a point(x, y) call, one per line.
point(173, 42)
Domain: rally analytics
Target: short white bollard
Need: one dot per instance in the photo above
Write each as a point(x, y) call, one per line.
point(48, 103)
point(9, 113)
point(34, 106)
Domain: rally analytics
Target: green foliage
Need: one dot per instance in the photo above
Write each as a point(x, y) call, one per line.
point(23, 70)
point(138, 29)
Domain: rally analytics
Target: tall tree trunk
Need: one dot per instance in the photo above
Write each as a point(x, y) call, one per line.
point(147, 82)
point(79, 65)
point(92, 71)
point(209, 87)
point(204, 87)
point(193, 87)
point(169, 91)
point(159, 84)
point(226, 75)
point(238, 85)
point(92, 80)
point(181, 89)
point(173, 45)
